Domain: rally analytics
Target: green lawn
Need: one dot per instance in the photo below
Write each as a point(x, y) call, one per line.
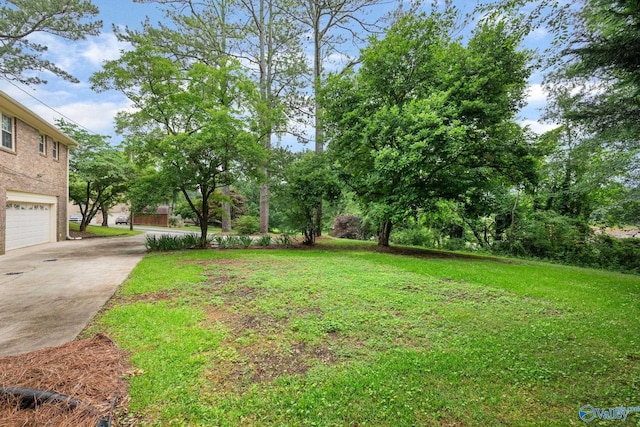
point(97, 230)
point(345, 336)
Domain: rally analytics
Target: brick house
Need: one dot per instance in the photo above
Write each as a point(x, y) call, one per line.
point(34, 178)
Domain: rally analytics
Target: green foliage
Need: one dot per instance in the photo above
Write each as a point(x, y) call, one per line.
point(245, 241)
point(221, 241)
point(285, 239)
point(309, 181)
point(99, 174)
point(170, 242)
point(413, 236)
point(21, 57)
point(604, 48)
point(247, 225)
point(233, 242)
point(175, 221)
point(264, 240)
point(192, 123)
point(147, 190)
point(425, 117)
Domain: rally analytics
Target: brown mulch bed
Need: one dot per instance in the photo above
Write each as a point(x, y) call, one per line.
point(90, 372)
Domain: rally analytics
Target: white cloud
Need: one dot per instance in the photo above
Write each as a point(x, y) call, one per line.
point(539, 127)
point(95, 115)
point(539, 34)
point(536, 94)
point(80, 58)
point(93, 111)
point(97, 50)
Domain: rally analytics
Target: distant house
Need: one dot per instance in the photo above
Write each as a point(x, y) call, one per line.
point(34, 178)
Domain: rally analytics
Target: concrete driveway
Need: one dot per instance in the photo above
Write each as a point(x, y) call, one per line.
point(50, 292)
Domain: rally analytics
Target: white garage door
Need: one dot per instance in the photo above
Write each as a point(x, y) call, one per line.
point(27, 224)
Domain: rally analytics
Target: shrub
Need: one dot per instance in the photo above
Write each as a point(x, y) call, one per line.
point(221, 241)
point(233, 241)
point(285, 239)
point(245, 241)
point(609, 252)
point(414, 236)
point(167, 242)
point(247, 225)
point(264, 240)
point(347, 227)
point(175, 221)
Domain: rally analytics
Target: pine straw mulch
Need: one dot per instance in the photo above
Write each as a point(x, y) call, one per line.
point(89, 371)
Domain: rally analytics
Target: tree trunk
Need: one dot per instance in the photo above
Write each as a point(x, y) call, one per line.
point(318, 220)
point(226, 211)
point(384, 232)
point(105, 216)
point(204, 225)
point(265, 94)
point(264, 208)
point(319, 134)
point(511, 237)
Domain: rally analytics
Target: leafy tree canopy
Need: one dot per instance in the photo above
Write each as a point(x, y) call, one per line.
point(99, 174)
point(20, 19)
point(426, 117)
point(195, 125)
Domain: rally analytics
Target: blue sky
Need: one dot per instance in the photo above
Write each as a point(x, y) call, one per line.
point(95, 111)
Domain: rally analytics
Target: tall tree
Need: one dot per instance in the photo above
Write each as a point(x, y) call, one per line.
point(20, 19)
point(257, 32)
point(274, 50)
point(332, 23)
point(593, 78)
point(195, 126)
point(595, 52)
point(307, 182)
point(602, 65)
point(99, 174)
point(426, 117)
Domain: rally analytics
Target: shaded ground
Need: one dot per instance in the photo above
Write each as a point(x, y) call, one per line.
point(90, 371)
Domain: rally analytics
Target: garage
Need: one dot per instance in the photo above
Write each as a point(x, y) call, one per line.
point(30, 222)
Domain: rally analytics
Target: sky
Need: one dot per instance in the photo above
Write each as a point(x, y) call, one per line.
point(78, 103)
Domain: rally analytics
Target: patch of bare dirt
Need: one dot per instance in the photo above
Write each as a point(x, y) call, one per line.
point(257, 351)
point(264, 361)
point(89, 372)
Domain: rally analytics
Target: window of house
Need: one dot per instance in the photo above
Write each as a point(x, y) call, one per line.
point(43, 145)
point(55, 150)
point(7, 132)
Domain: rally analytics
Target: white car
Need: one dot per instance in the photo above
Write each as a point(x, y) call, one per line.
point(75, 218)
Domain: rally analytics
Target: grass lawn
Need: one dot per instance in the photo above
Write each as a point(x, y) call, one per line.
point(342, 335)
point(96, 230)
